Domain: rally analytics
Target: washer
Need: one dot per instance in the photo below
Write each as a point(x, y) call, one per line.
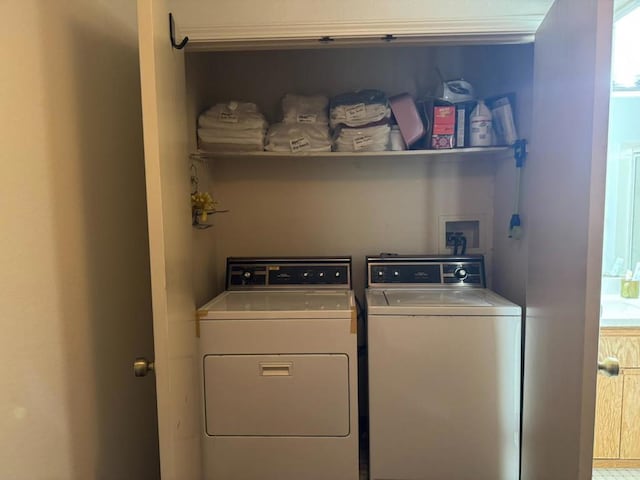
point(444, 371)
point(279, 372)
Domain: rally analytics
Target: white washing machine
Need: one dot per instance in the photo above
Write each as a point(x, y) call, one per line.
point(279, 372)
point(444, 371)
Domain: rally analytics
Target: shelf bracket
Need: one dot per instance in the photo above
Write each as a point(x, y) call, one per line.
point(172, 35)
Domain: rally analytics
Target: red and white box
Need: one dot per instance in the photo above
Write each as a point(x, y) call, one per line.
point(444, 127)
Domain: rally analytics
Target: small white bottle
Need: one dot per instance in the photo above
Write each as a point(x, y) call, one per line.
point(396, 142)
point(481, 127)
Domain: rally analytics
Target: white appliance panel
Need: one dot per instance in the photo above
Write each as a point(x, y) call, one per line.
point(282, 458)
point(279, 304)
point(277, 395)
point(438, 301)
point(444, 397)
point(469, 298)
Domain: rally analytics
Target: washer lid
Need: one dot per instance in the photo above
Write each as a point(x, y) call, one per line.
point(435, 301)
point(279, 304)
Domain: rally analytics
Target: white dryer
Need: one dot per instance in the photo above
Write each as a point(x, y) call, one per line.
point(444, 371)
point(279, 372)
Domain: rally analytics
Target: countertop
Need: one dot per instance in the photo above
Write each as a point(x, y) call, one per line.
point(616, 311)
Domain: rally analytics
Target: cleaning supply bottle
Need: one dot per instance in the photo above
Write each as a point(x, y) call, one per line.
point(481, 127)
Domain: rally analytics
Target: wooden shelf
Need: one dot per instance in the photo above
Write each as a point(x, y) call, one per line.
point(451, 154)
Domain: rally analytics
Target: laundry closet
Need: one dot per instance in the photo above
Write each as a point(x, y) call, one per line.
point(331, 203)
point(356, 204)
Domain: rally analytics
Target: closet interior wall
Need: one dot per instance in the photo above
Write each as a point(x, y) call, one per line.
point(301, 206)
point(512, 71)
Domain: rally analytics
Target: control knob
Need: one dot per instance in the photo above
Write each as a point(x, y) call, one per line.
point(461, 273)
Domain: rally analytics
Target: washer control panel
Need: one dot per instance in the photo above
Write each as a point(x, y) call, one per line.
point(408, 270)
point(267, 272)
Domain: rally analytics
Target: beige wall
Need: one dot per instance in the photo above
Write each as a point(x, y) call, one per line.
point(364, 206)
point(74, 282)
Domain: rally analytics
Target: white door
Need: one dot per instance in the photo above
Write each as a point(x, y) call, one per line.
point(168, 204)
point(564, 198)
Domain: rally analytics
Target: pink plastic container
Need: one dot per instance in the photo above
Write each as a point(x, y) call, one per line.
point(408, 118)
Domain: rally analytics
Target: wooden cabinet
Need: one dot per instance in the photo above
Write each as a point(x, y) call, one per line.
point(630, 429)
point(617, 426)
point(608, 418)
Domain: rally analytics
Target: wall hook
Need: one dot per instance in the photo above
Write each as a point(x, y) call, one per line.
point(172, 35)
point(194, 179)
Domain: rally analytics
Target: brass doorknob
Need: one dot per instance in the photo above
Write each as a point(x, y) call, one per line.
point(142, 366)
point(609, 367)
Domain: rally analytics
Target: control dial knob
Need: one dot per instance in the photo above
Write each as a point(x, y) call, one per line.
point(461, 273)
point(246, 275)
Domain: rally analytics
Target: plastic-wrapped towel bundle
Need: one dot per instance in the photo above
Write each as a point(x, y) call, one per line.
point(298, 137)
point(311, 109)
point(233, 116)
point(233, 126)
point(217, 140)
point(366, 139)
point(357, 109)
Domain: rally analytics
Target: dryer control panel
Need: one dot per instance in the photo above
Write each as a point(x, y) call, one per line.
point(408, 270)
point(294, 272)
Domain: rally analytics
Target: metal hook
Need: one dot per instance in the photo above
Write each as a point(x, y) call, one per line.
point(194, 179)
point(172, 35)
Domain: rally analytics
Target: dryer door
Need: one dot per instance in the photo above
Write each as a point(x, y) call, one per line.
point(277, 395)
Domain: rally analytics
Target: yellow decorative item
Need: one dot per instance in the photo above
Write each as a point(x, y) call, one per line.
point(201, 205)
point(630, 288)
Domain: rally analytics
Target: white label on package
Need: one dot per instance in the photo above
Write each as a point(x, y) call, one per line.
point(227, 117)
point(362, 141)
point(307, 118)
point(299, 144)
point(356, 112)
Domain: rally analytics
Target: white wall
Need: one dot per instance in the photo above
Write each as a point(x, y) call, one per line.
point(74, 281)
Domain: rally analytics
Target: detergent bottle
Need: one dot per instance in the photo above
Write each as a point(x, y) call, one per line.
point(481, 126)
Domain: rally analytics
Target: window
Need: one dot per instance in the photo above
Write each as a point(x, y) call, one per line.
point(622, 207)
point(626, 57)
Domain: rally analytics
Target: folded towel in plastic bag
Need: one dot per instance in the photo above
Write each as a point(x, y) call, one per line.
point(357, 109)
point(298, 137)
point(306, 109)
point(233, 116)
point(213, 135)
point(252, 139)
point(364, 139)
point(367, 96)
point(229, 147)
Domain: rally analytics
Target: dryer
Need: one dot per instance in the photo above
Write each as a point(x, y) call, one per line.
point(444, 371)
point(279, 372)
